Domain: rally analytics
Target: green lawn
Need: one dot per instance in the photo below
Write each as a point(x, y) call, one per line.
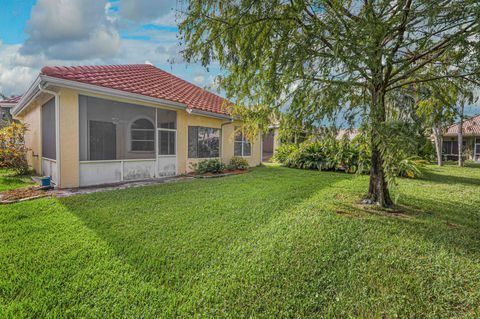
point(8, 180)
point(276, 242)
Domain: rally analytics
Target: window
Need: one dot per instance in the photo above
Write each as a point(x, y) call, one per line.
point(143, 136)
point(242, 146)
point(167, 130)
point(48, 130)
point(477, 146)
point(103, 137)
point(203, 142)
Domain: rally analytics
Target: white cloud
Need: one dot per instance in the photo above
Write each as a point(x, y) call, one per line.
point(71, 30)
point(199, 79)
point(14, 78)
point(145, 11)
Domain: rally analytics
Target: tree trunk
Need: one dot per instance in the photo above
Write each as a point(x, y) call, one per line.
point(437, 136)
point(460, 136)
point(378, 189)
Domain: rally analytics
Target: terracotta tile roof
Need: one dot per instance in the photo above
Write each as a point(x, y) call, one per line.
point(470, 127)
point(11, 100)
point(142, 79)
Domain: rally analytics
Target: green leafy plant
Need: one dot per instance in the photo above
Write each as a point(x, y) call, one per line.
point(410, 167)
point(283, 151)
point(13, 151)
point(238, 163)
point(209, 166)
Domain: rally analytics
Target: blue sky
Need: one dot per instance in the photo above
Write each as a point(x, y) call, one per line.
point(36, 33)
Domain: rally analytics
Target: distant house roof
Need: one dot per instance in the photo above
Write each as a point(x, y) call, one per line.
point(471, 127)
point(349, 133)
point(142, 79)
point(11, 101)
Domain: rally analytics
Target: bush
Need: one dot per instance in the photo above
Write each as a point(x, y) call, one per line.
point(410, 167)
point(238, 163)
point(351, 156)
point(13, 152)
point(283, 152)
point(209, 166)
point(345, 155)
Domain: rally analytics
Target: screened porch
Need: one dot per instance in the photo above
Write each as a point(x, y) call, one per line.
point(124, 142)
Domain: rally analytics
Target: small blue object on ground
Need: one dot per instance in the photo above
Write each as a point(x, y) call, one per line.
point(45, 181)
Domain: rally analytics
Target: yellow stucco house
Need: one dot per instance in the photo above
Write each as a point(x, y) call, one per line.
point(98, 125)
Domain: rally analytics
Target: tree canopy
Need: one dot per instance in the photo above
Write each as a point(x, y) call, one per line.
point(312, 58)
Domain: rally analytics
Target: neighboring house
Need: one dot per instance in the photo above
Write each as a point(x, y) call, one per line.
point(5, 109)
point(349, 133)
point(107, 124)
point(471, 140)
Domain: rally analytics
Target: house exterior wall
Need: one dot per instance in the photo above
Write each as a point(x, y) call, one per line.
point(33, 136)
point(69, 119)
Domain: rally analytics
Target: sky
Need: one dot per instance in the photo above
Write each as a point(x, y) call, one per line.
point(38, 33)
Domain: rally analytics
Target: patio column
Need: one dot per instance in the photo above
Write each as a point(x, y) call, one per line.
point(69, 139)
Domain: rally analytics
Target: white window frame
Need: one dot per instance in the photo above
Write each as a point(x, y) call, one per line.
point(243, 142)
point(158, 141)
point(131, 140)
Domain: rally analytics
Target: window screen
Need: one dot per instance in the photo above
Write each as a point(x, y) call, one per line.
point(203, 142)
point(242, 146)
point(166, 119)
point(142, 135)
point(103, 137)
point(167, 125)
point(111, 130)
point(48, 130)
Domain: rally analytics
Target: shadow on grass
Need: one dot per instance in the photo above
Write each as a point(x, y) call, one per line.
point(175, 231)
point(272, 241)
point(450, 179)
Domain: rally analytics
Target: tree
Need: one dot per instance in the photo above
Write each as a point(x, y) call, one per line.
point(436, 102)
point(316, 56)
point(466, 96)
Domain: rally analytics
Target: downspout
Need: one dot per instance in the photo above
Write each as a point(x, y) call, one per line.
point(57, 129)
point(230, 121)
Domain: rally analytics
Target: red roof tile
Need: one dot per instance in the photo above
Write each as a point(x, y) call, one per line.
point(142, 79)
point(11, 100)
point(470, 127)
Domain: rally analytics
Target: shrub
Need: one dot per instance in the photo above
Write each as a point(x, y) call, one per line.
point(209, 166)
point(238, 163)
point(13, 152)
point(410, 167)
point(328, 154)
point(282, 152)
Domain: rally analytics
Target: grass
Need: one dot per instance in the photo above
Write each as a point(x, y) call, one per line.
point(8, 180)
point(276, 242)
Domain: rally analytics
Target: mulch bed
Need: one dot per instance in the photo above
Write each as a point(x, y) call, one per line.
point(214, 175)
point(19, 194)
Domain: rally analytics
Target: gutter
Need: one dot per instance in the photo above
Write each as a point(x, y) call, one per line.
point(57, 129)
point(32, 93)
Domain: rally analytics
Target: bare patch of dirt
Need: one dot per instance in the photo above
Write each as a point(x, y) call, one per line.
point(22, 193)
